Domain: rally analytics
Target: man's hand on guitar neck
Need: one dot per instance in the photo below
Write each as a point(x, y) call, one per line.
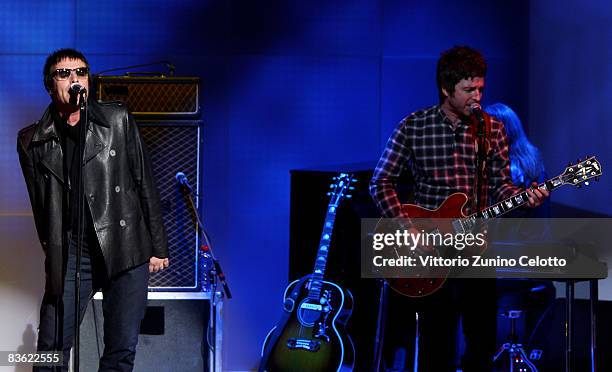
point(536, 196)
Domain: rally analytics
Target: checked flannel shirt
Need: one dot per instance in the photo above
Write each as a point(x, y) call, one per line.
point(442, 160)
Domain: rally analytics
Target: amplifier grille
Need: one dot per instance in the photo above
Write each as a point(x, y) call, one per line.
point(153, 97)
point(174, 147)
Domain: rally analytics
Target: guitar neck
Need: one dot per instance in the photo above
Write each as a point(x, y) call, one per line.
point(505, 206)
point(516, 201)
point(341, 189)
point(321, 260)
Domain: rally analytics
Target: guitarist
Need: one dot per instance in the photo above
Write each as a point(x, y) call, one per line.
point(437, 145)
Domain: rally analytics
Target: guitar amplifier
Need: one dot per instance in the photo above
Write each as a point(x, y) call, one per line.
point(153, 97)
point(176, 145)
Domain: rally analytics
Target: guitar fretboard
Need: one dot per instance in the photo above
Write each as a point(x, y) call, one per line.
point(504, 206)
point(321, 260)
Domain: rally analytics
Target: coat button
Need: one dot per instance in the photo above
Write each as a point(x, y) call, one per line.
point(112, 152)
point(117, 188)
point(122, 223)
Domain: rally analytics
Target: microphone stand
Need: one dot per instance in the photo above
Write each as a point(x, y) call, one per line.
point(207, 248)
point(480, 158)
point(216, 275)
point(83, 122)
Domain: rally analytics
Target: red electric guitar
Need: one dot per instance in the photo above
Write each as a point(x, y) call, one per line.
point(451, 209)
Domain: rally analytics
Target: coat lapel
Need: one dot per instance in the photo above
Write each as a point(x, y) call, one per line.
point(97, 125)
point(52, 159)
point(93, 144)
point(46, 143)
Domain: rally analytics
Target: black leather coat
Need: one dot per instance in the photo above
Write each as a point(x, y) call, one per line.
point(118, 185)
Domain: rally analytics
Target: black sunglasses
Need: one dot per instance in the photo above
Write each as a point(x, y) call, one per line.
point(64, 73)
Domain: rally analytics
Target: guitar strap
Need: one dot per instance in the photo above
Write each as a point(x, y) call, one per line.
point(288, 308)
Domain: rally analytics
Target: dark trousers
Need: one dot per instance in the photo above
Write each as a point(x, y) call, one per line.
point(123, 306)
point(472, 302)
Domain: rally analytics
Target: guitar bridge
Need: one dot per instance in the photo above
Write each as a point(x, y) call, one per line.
point(304, 344)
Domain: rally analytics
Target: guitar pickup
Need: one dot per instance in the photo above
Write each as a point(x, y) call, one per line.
point(304, 344)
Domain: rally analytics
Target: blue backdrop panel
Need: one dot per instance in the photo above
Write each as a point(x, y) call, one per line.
point(343, 27)
point(508, 82)
point(22, 101)
point(150, 27)
point(408, 84)
point(36, 26)
point(571, 91)
point(417, 28)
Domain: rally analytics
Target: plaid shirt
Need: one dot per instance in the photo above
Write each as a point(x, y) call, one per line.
point(442, 159)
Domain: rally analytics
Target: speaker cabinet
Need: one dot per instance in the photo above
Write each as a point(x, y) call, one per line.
point(173, 336)
point(153, 96)
point(174, 146)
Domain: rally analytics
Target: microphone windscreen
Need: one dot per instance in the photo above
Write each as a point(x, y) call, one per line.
point(475, 107)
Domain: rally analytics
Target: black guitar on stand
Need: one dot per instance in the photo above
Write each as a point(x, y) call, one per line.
point(311, 334)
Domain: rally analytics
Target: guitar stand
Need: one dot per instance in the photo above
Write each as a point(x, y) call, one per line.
point(516, 353)
point(380, 325)
point(569, 323)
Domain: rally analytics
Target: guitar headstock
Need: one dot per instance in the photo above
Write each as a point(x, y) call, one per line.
point(581, 172)
point(341, 188)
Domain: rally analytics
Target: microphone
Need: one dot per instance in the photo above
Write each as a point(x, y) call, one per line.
point(476, 109)
point(181, 178)
point(76, 88)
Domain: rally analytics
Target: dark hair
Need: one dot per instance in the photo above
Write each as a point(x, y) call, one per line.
point(459, 62)
point(55, 58)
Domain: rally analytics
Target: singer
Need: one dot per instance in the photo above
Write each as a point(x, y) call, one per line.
point(437, 147)
point(124, 236)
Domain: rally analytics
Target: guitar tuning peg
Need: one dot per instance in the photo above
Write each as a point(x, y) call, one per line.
point(331, 186)
point(349, 196)
point(586, 183)
point(328, 194)
point(351, 187)
point(334, 178)
point(353, 179)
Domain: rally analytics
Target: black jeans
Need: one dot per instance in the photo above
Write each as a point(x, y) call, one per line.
point(473, 301)
point(123, 306)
